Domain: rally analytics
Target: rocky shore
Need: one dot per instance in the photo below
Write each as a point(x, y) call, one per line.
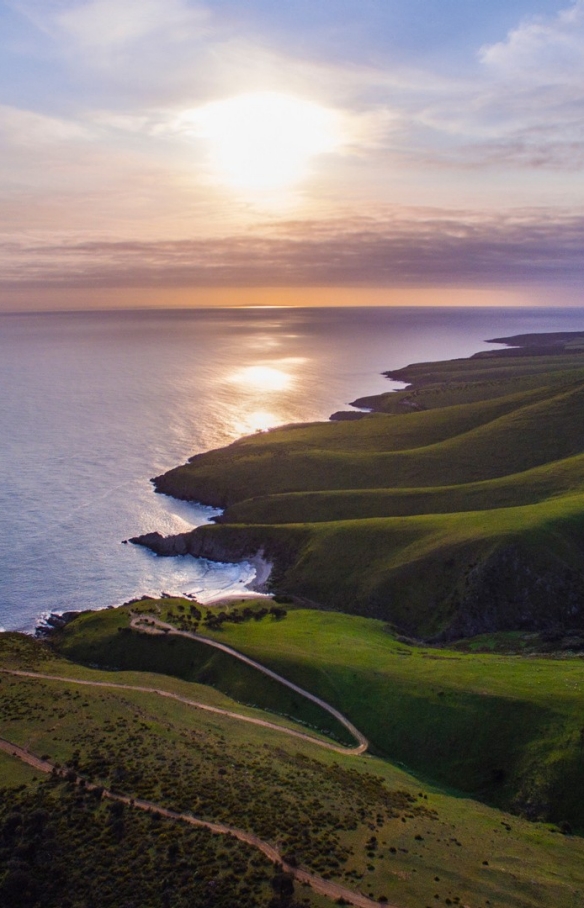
point(199, 544)
point(54, 622)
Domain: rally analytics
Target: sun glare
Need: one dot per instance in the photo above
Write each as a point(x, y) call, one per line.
point(257, 421)
point(262, 378)
point(266, 140)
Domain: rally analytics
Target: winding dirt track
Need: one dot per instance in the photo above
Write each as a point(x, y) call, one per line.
point(148, 624)
point(318, 884)
point(152, 625)
point(337, 748)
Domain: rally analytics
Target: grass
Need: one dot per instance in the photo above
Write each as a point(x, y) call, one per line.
point(439, 385)
point(15, 774)
point(453, 574)
point(563, 477)
point(358, 820)
point(105, 639)
point(463, 513)
point(451, 445)
point(61, 845)
point(503, 728)
point(459, 518)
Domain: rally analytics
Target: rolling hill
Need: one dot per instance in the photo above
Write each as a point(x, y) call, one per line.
point(454, 508)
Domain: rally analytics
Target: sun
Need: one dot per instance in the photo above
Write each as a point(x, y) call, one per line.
point(266, 140)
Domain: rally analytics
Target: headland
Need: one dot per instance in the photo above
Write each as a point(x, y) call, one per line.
point(453, 508)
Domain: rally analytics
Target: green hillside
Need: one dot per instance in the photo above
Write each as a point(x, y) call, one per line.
point(502, 728)
point(455, 509)
point(358, 822)
point(144, 762)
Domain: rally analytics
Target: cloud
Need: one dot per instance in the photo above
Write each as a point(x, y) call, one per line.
point(103, 24)
point(110, 23)
point(407, 249)
point(542, 51)
point(520, 109)
point(136, 56)
point(113, 53)
point(122, 159)
point(28, 128)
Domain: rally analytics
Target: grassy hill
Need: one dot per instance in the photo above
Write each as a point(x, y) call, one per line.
point(356, 820)
point(454, 509)
point(503, 728)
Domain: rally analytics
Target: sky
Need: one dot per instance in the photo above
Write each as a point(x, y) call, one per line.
point(241, 152)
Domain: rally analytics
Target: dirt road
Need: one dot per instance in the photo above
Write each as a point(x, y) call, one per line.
point(318, 884)
point(337, 748)
point(149, 624)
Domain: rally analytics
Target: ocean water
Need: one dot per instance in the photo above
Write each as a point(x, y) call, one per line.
point(94, 404)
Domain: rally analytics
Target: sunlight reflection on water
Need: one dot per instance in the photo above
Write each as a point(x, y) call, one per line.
point(92, 405)
point(262, 378)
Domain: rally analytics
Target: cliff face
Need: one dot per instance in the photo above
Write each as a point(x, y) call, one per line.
point(511, 591)
point(178, 483)
point(225, 544)
point(196, 543)
point(503, 590)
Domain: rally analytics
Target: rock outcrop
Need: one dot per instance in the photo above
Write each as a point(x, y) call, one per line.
point(225, 547)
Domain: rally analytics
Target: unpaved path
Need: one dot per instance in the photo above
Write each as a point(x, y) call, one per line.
point(337, 748)
point(149, 624)
point(318, 884)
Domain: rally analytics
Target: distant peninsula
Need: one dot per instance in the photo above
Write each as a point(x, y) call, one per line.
point(452, 508)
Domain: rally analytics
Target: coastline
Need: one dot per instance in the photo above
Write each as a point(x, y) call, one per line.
point(334, 506)
point(232, 541)
point(62, 553)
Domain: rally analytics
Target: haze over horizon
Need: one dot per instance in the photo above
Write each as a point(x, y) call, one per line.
point(171, 152)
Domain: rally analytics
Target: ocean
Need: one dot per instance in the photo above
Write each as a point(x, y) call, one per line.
point(93, 404)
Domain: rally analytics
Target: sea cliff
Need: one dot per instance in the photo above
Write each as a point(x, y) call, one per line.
point(455, 508)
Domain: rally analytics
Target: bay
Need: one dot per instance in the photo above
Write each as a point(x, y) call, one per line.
point(93, 404)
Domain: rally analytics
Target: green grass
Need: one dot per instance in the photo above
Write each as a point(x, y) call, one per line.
point(323, 808)
point(462, 573)
point(14, 774)
point(61, 845)
point(504, 728)
point(448, 446)
point(459, 514)
point(440, 386)
point(104, 639)
point(529, 487)
point(460, 518)
point(498, 368)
